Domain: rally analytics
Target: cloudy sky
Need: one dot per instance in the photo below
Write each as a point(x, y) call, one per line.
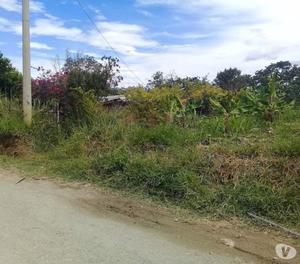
point(190, 37)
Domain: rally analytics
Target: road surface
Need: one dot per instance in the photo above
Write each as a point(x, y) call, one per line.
point(43, 222)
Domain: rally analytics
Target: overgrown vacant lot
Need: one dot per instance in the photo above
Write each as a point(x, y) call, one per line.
point(222, 148)
point(253, 167)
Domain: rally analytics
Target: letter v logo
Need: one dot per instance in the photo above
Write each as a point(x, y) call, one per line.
point(285, 251)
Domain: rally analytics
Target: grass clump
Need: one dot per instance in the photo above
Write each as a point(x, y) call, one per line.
point(12, 129)
point(160, 136)
point(148, 173)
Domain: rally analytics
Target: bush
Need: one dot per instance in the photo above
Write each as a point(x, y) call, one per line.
point(155, 106)
point(72, 107)
point(77, 108)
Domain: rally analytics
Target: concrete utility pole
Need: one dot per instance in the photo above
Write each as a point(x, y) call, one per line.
point(27, 100)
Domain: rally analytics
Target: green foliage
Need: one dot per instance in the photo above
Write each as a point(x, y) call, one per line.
point(78, 108)
point(198, 98)
point(92, 75)
point(11, 122)
point(286, 73)
point(260, 199)
point(268, 103)
point(10, 79)
point(254, 168)
point(159, 136)
point(232, 80)
point(160, 80)
point(169, 142)
point(286, 139)
point(171, 105)
point(228, 106)
point(156, 105)
point(151, 174)
point(45, 131)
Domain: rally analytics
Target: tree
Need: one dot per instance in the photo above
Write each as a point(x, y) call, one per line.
point(10, 79)
point(232, 80)
point(287, 74)
point(158, 80)
point(293, 89)
point(282, 70)
point(90, 74)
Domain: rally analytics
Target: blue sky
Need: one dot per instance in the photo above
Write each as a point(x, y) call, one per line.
point(189, 38)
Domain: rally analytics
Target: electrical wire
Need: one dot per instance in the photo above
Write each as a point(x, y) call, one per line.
point(108, 43)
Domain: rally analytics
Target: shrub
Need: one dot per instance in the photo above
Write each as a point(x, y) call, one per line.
point(155, 106)
point(77, 108)
point(199, 97)
point(72, 107)
point(91, 74)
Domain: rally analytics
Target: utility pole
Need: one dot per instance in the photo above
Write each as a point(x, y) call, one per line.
point(27, 99)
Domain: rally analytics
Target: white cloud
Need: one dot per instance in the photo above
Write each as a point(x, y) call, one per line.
point(10, 26)
point(38, 45)
point(98, 12)
point(55, 28)
point(16, 6)
point(123, 37)
point(250, 34)
point(145, 13)
point(10, 5)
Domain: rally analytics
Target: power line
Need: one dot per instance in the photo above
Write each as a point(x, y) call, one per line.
point(107, 42)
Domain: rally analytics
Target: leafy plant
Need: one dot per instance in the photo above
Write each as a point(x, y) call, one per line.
point(156, 105)
point(100, 76)
point(267, 103)
point(228, 107)
point(71, 106)
point(77, 108)
point(10, 79)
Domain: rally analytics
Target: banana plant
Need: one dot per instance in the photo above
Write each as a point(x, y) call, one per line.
point(266, 104)
point(176, 107)
point(229, 107)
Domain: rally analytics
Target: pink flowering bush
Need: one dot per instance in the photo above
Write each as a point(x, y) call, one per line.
point(50, 86)
point(66, 105)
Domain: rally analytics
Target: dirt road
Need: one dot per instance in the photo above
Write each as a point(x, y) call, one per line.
point(47, 222)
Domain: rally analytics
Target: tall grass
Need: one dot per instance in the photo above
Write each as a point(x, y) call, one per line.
point(12, 127)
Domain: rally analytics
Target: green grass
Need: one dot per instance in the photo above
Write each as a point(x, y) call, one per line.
point(254, 169)
point(11, 124)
